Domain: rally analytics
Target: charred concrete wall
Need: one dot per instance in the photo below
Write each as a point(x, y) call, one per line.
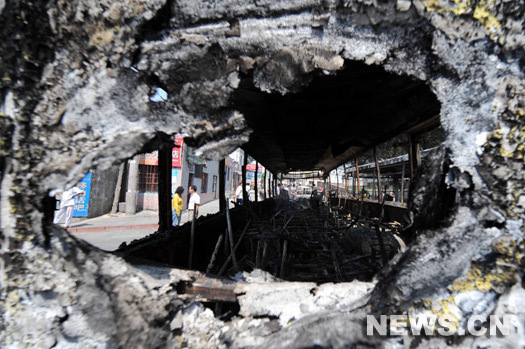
point(75, 82)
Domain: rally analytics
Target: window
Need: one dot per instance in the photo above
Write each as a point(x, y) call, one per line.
point(227, 173)
point(199, 171)
point(214, 185)
point(204, 184)
point(148, 179)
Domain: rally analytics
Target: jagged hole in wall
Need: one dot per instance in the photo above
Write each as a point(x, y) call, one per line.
point(347, 234)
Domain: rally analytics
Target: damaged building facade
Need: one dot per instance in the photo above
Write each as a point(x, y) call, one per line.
point(299, 85)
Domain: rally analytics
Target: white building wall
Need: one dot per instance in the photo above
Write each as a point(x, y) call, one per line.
point(238, 155)
point(212, 169)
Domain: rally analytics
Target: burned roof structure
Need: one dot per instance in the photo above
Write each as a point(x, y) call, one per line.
point(333, 118)
point(300, 85)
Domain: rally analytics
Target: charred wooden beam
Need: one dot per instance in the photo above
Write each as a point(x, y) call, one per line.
point(264, 254)
point(258, 254)
point(338, 273)
point(283, 260)
point(232, 241)
point(223, 268)
point(192, 239)
point(214, 254)
point(208, 289)
point(255, 181)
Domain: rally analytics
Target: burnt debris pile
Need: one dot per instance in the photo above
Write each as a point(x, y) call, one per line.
point(302, 243)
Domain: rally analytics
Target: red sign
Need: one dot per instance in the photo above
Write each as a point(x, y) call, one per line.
point(251, 167)
point(176, 157)
point(179, 140)
point(176, 152)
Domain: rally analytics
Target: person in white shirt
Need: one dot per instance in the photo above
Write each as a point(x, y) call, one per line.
point(195, 200)
point(67, 205)
point(238, 194)
point(248, 192)
point(293, 192)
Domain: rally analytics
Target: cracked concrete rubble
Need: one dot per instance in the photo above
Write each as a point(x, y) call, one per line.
point(70, 101)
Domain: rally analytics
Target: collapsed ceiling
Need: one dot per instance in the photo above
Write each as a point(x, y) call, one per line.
point(334, 118)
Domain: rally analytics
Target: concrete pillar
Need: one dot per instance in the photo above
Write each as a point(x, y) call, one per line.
point(131, 194)
point(118, 187)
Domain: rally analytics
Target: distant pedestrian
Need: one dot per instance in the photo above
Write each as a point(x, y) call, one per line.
point(67, 205)
point(293, 192)
point(238, 194)
point(284, 193)
point(195, 200)
point(315, 200)
point(248, 192)
point(390, 196)
point(176, 206)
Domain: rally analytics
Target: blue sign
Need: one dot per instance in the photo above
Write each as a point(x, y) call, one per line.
point(82, 201)
point(250, 175)
point(174, 179)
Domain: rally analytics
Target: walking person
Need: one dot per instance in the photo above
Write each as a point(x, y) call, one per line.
point(238, 194)
point(195, 200)
point(293, 192)
point(176, 206)
point(67, 205)
point(248, 192)
point(393, 196)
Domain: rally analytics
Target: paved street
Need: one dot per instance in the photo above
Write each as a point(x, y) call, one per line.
point(109, 231)
point(110, 240)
